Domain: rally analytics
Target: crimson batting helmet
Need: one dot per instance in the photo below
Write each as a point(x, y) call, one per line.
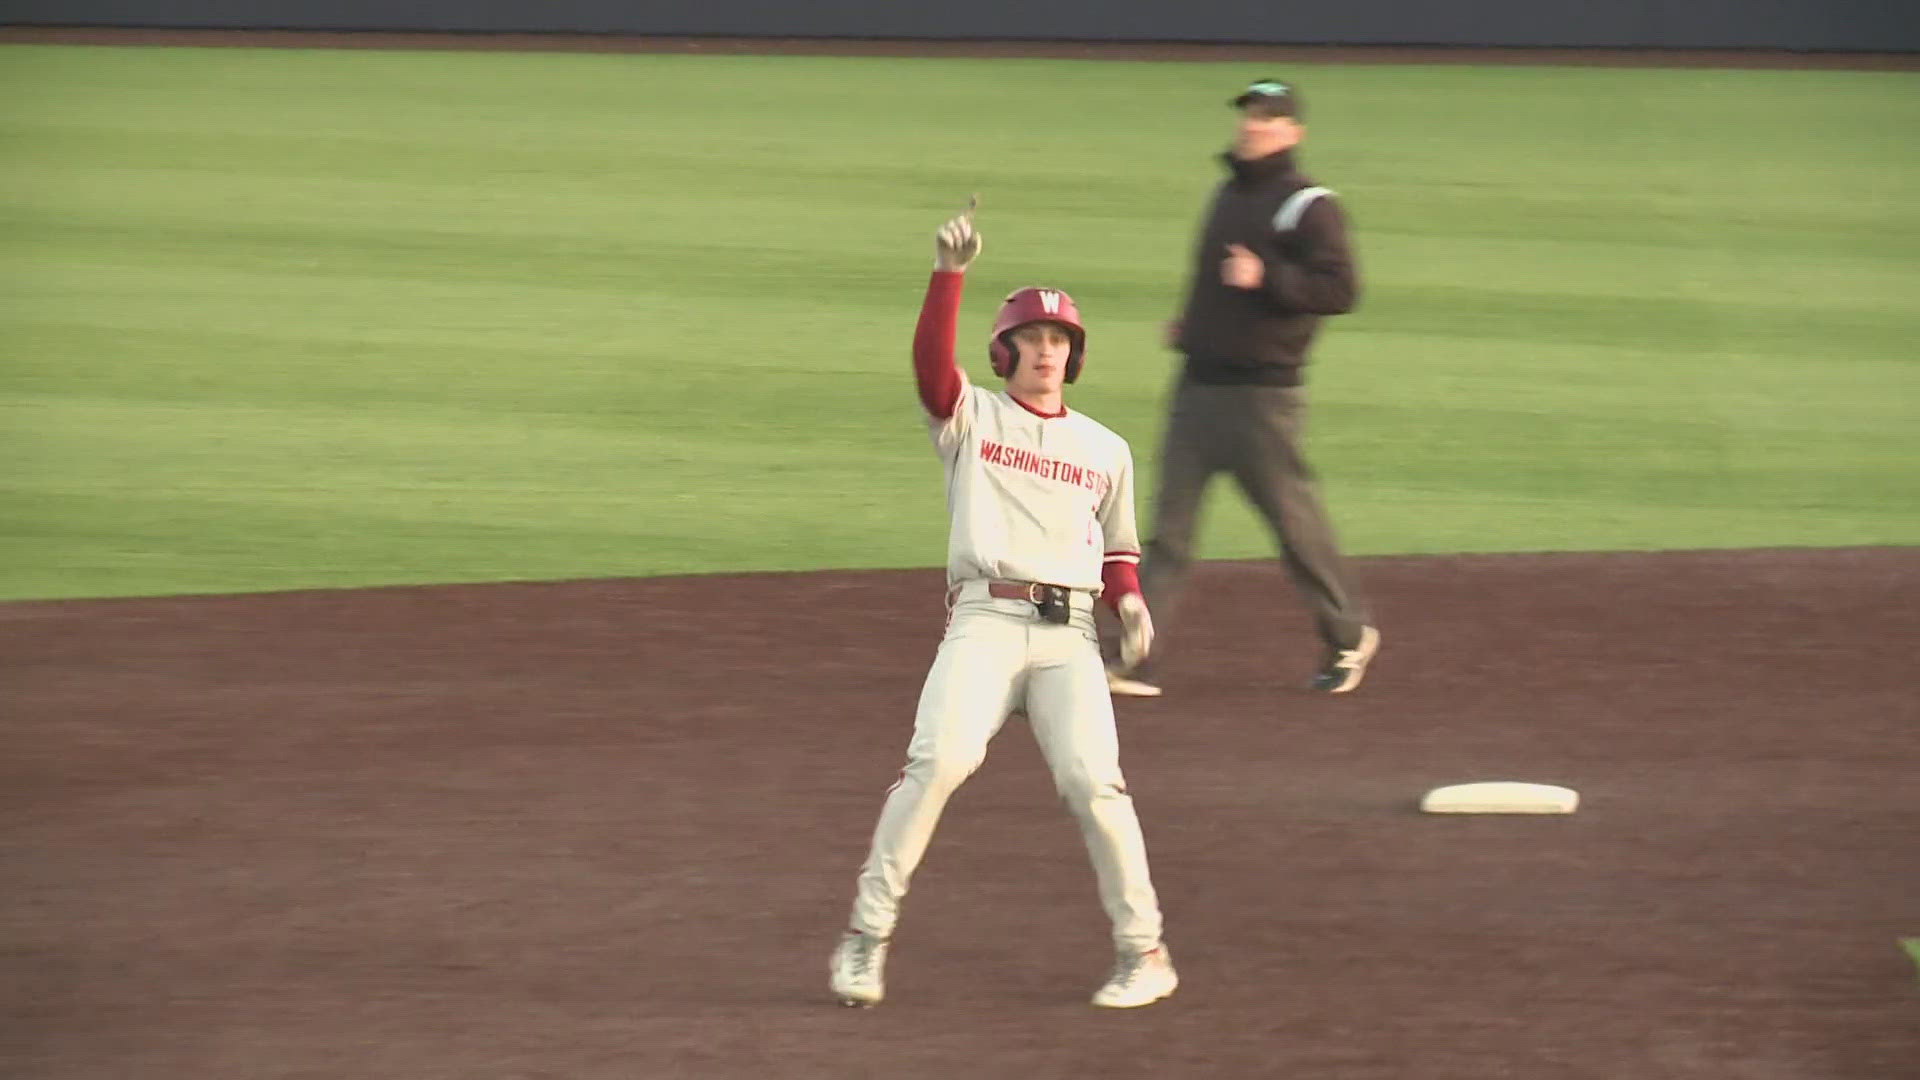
point(1031, 305)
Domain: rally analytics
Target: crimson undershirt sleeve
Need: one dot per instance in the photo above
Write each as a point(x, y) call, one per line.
point(1117, 579)
point(938, 377)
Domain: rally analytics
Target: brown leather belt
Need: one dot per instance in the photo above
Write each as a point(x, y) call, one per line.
point(1030, 591)
point(1054, 603)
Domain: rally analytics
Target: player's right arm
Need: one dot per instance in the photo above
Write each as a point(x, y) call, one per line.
point(939, 378)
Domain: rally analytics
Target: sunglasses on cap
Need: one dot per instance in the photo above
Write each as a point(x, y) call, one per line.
point(1269, 96)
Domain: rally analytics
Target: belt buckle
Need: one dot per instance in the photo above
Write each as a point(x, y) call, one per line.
point(1052, 602)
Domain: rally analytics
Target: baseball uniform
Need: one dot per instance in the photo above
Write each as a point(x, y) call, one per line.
point(1033, 500)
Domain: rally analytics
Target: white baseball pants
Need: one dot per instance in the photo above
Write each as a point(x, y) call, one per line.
point(999, 657)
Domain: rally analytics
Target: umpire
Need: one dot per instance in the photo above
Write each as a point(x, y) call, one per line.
point(1272, 260)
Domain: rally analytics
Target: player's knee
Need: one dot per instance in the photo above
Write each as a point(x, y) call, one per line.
point(1079, 788)
point(942, 771)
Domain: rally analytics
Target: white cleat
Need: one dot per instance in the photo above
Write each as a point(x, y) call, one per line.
point(1127, 686)
point(858, 970)
point(1139, 978)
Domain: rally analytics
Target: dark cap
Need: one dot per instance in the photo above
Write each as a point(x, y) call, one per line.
point(1274, 97)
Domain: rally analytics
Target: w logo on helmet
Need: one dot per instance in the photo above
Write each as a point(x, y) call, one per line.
point(1029, 305)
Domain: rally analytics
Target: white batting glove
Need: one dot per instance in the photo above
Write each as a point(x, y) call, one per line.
point(1136, 629)
point(958, 242)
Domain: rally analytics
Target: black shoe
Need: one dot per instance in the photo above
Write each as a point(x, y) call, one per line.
point(1346, 667)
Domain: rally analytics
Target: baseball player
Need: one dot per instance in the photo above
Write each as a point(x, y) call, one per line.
point(1041, 507)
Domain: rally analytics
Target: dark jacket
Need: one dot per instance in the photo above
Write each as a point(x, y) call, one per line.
point(1261, 336)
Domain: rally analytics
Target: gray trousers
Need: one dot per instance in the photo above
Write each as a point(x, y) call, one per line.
point(1253, 433)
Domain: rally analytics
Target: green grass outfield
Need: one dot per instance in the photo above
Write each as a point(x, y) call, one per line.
point(278, 319)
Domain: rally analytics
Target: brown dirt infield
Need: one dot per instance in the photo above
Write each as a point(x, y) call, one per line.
point(608, 829)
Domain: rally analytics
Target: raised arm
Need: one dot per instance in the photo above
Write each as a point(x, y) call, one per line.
point(933, 367)
point(939, 379)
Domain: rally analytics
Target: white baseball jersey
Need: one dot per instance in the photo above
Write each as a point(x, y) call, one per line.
point(1032, 497)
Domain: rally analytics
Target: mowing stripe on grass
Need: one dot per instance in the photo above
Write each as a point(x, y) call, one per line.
point(291, 318)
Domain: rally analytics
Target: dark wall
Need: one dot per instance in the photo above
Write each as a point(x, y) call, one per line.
point(1843, 25)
